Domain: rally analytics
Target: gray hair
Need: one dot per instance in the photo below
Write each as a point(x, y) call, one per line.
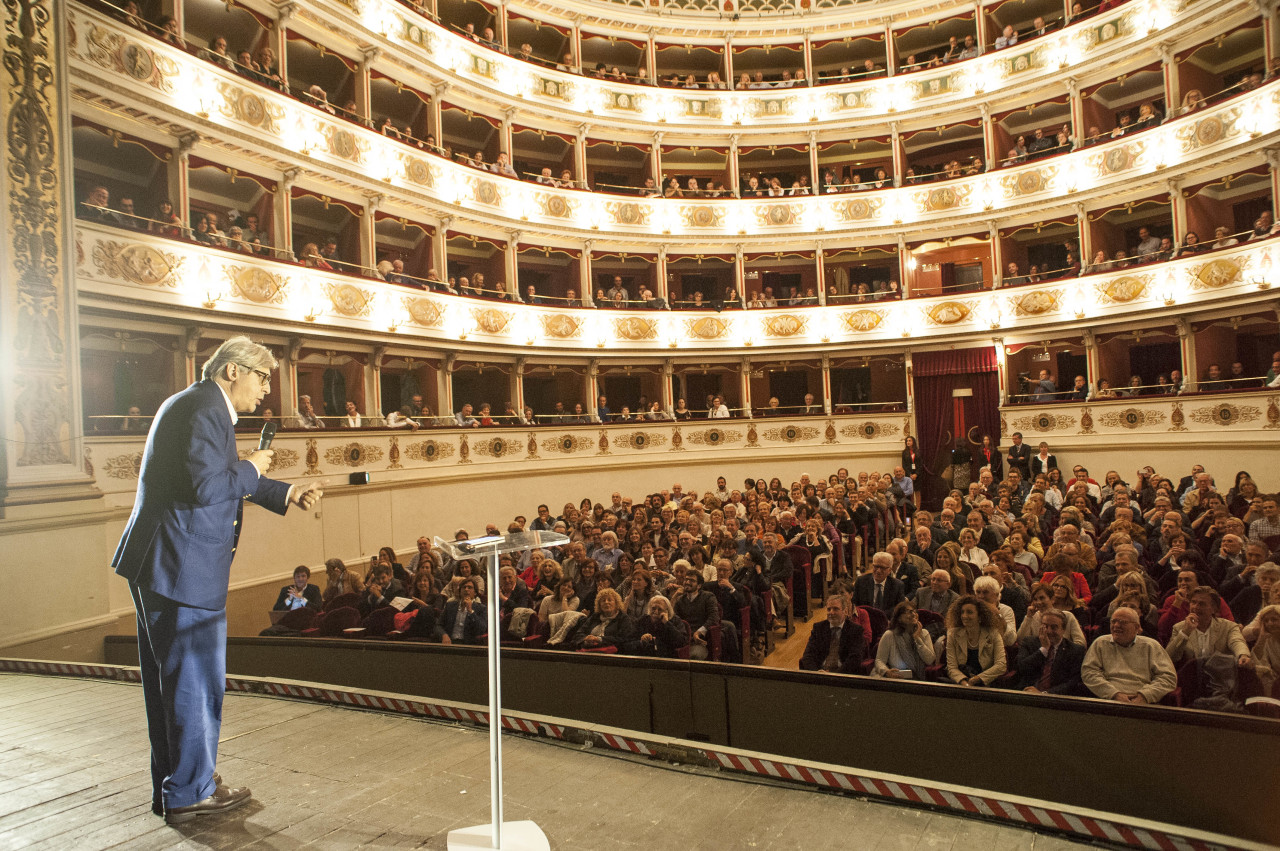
point(1269, 568)
point(883, 559)
point(241, 351)
point(986, 583)
point(1055, 614)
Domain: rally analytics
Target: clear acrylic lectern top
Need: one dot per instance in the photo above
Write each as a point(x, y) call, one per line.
point(494, 545)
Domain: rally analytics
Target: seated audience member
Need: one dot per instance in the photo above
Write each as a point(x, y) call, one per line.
point(1246, 604)
point(836, 645)
point(937, 596)
point(464, 619)
point(1266, 651)
point(1202, 633)
point(381, 588)
point(906, 650)
point(306, 416)
point(699, 609)
point(564, 600)
point(987, 589)
point(975, 643)
point(606, 626)
point(464, 418)
point(878, 589)
point(1042, 601)
point(1178, 605)
point(300, 594)
point(352, 419)
point(1131, 590)
point(512, 593)
point(661, 633)
point(1128, 667)
point(339, 580)
point(1048, 663)
point(402, 418)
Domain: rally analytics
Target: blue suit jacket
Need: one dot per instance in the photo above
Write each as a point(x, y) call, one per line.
point(182, 535)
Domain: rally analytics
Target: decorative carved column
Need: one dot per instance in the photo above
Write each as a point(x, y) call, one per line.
point(815, 179)
point(826, 383)
point(283, 213)
point(650, 58)
point(1273, 168)
point(1267, 10)
point(435, 120)
point(279, 39)
point(660, 275)
point(178, 170)
point(740, 274)
point(586, 292)
point(899, 160)
point(728, 61)
point(364, 81)
point(1187, 342)
point(1178, 207)
point(997, 252)
point(890, 50)
point(368, 233)
point(502, 26)
point(41, 422)
point(903, 277)
point(1090, 359)
point(440, 252)
point(190, 349)
point(517, 388)
point(734, 174)
point(1086, 238)
point(445, 389)
point(289, 378)
point(980, 26)
point(808, 55)
point(1076, 102)
point(511, 261)
point(668, 385)
point(373, 383)
point(744, 375)
point(820, 265)
point(591, 388)
point(989, 153)
point(1002, 369)
point(908, 369)
point(505, 140)
point(655, 160)
point(1169, 66)
point(580, 155)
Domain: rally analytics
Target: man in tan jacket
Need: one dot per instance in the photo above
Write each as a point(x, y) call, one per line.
point(1202, 633)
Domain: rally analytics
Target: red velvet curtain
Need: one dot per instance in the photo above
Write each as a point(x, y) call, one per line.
point(936, 375)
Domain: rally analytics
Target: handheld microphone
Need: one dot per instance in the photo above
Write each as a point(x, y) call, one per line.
point(268, 435)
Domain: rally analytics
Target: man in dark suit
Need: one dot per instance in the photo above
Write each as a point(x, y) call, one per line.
point(176, 553)
point(879, 589)
point(301, 594)
point(1020, 456)
point(1048, 664)
point(836, 644)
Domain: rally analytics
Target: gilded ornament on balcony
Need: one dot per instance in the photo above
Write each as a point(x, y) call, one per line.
point(602, 443)
point(282, 460)
point(567, 444)
point(1120, 158)
point(639, 440)
point(829, 434)
point(554, 206)
point(751, 435)
point(1178, 420)
point(1022, 62)
point(562, 326)
point(702, 216)
point(464, 450)
point(415, 34)
point(1217, 273)
point(858, 209)
point(498, 447)
point(343, 143)
point(862, 320)
point(256, 285)
point(138, 264)
point(699, 108)
point(123, 466)
point(625, 101)
point(870, 430)
point(936, 86)
point(418, 171)
point(1044, 422)
point(428, 450)
point(483, 67)
point(771, 107)
point(943, 198)
point(1026, 182)
point(949, 312)
point(785, 325)
point(1086, 421)
point(791, 433)
point(1105, 32)
point(353, 454)
point(1226, 414)
point(849, 100)
point(628, 213)
point(249, 108)
point(532, 445)
point(486, 192)
point(714, 437)
point(1123, 289)
point(491, 320)
point(677, 439)
point(1208, 130)
point(1131, 418)
point(1273, 413)
point(634, 328)
point(425, 312)
point(553, 88)
point(393, 454)
point(313, 457)
point(1036, 302)
point(349, 300)
point(707, 327)
point(778, 215)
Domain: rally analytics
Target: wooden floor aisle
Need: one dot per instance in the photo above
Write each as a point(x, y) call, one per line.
point(73, 775)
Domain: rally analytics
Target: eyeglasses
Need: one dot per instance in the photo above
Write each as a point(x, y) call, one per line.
point(263, 377)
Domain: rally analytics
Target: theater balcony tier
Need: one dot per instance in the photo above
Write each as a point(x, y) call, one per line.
point(232, 119)
point(120, 271)
point(397, 43)
point(875, 440)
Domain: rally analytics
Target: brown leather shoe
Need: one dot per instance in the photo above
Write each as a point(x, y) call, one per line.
point(223, 798)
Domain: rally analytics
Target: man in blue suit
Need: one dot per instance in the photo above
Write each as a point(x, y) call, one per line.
point(176, 553)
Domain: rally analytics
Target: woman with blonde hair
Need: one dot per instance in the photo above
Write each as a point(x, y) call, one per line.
point(1042, 599)
point(639, 592)
point(948, 558)
point(975, 643)
point(1266, 652)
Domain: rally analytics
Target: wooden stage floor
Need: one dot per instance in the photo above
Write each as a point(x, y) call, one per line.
point(73, 775)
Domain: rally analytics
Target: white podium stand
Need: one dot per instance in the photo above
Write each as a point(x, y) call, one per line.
point(497, 835)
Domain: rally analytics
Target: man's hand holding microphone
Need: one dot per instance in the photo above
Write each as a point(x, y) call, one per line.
point(303, 496)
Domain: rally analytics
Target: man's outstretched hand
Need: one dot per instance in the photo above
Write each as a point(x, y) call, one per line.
point(307, 497)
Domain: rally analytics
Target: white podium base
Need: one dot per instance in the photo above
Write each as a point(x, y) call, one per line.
point(516, 836)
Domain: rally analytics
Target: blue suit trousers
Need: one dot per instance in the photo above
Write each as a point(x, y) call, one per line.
point(183, 654)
